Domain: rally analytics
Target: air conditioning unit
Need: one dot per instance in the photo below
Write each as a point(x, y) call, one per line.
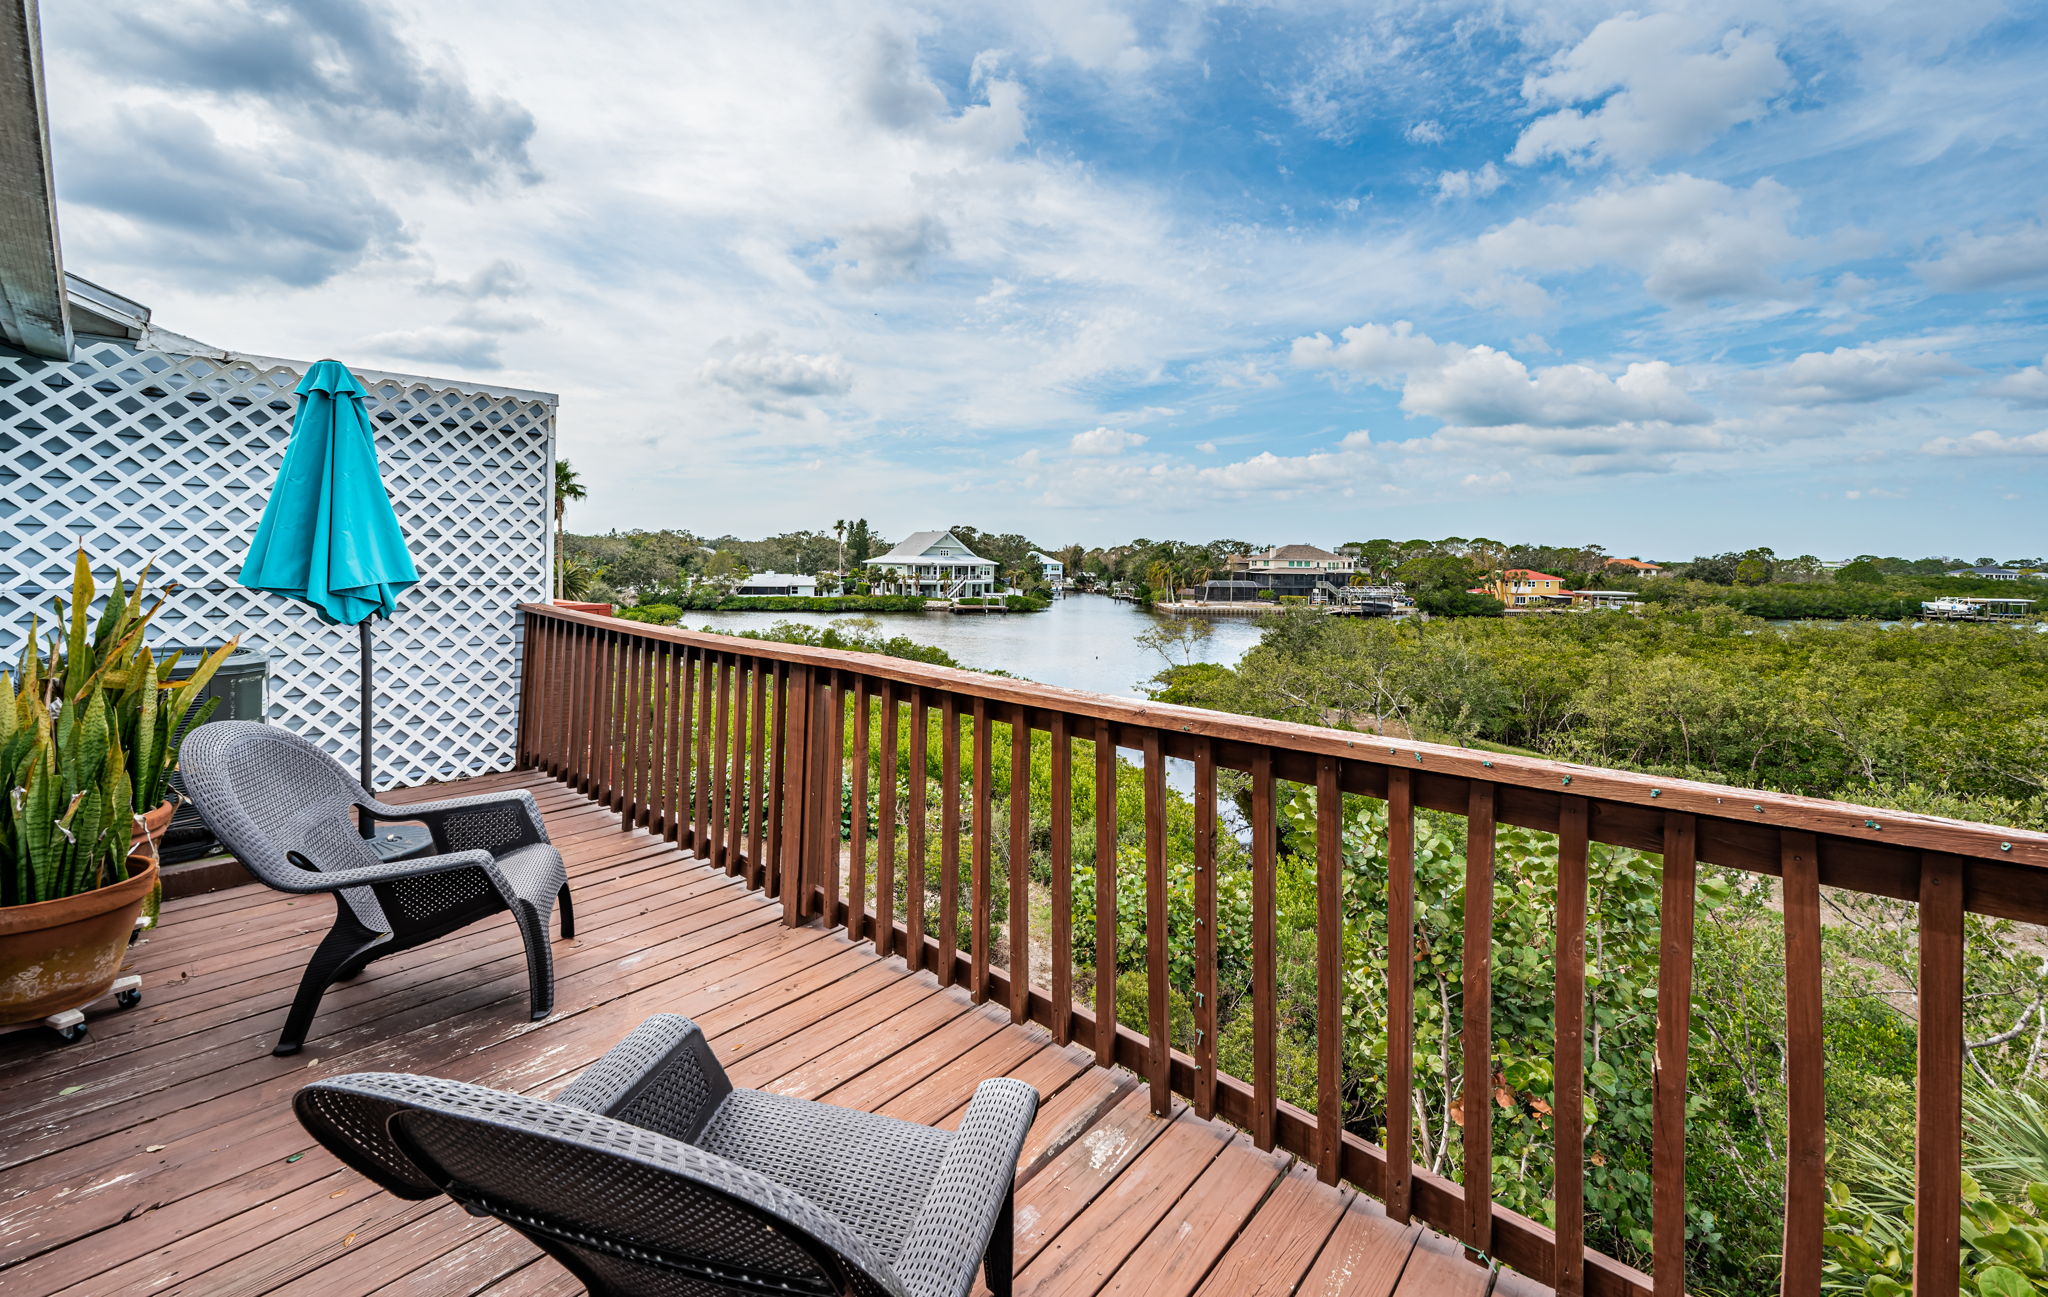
point(243, 686)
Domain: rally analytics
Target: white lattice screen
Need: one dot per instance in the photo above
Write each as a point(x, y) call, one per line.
point(144, 455)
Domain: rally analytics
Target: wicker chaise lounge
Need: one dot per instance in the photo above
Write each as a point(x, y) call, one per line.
point(287, 811)
point(651, 1176)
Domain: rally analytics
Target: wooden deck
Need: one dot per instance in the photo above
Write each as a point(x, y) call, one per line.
point(161, 1155)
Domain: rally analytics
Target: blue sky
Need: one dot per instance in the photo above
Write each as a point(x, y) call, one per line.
point(1669, 280)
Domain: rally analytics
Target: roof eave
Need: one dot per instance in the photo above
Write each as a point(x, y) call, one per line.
point(34, 309)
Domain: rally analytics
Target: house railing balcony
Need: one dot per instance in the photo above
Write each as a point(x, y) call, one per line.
point(764, 759)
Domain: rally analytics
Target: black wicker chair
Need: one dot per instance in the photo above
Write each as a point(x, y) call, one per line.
point(650, 1176)
point(287, 811)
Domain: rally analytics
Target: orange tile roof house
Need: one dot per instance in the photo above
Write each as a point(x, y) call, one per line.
point(1522, 587)
point(1636, 565)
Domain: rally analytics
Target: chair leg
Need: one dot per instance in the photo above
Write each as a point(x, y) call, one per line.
point(999, 1262)
point(568, 913)
point(346, 946)
point(540, 961)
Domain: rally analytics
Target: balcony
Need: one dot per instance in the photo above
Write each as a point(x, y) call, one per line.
point(886, 943)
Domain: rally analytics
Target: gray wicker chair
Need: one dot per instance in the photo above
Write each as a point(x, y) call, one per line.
point(651, 1176)
point(287, 811)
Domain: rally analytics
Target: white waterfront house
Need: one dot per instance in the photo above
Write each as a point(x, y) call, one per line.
point(778, 583)
point(1054, 571)
point(937, 565)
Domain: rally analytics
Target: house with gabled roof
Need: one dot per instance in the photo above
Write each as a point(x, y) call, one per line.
point(937, 565)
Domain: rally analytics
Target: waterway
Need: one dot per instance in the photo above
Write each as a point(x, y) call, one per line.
point(1084, 641)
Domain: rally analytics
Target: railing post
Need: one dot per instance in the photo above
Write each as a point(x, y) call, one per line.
point(529, 676)
point(1938, 1142)
point(796, 776)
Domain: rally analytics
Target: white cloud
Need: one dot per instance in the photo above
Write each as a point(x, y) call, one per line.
point(2028, 386)
point(1483, 387)
point(773, 379)
point(1106, 441)
point(1988, 443)
point(873, 255)
point(1286, 475)
point(1690, 238)
point(1874, 493)
point(1853, 375)
point(453, 344)
point(1375, 351)
point(1488, 388)
point(2012, 258)
point(1469, 184)
point(1426, 131)
point(1626, 446)
point(1667, 83)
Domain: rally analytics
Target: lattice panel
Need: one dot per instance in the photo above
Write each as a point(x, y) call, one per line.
point(150, 456)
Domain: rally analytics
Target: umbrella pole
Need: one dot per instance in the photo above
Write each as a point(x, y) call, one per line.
point(364, 723)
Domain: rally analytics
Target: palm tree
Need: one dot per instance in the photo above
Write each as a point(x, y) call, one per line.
point(567, 487)
point(839, 530)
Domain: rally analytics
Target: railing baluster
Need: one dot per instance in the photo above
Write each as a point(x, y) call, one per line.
point(688, 772)
point(757, 790)
point(1062, 772)
point(582, 692)
point(949, 838)
point(707, 774)
point(742, 737)
point(632, 781)
point(857, 887)
point(833, 754)
point(614, 719)
point(680, 702)
point(914, 838)
point(1105, 893)
point(619, 694)
point(1205, 929)
point(1674, 1028)
point(981, 813)
point(778, 765)
point(1158, 1055)
point(1265, 971)
point(1568, 1064)
point(1329, 972)
point(1938, 1139)
point(1400, 991)
point(1806, 1105)
point(597, 765)
point(1476, 1104)
point(800, 701)
point(654, 703)
point(1018, 931)
point(885, 830)
point(721, 774)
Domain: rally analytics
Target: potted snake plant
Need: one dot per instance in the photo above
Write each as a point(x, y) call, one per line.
point(89, 733)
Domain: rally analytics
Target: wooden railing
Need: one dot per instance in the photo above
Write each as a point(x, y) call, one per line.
point(754, 755)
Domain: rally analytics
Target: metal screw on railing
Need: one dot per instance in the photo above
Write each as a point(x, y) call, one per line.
point(2005, 846)
point(1656, 792)
point(1759, 805)
point(1487, 764)
point(1567, 779)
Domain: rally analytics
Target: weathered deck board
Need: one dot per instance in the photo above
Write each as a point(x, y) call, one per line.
point(161, 1155)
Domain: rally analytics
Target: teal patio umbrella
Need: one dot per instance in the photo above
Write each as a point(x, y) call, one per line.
point(329, 535)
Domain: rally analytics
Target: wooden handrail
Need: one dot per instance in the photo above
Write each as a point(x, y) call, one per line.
point(744, 751)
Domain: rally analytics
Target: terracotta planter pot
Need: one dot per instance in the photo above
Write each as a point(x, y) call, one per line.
point(149, 832)
point(62, 954)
